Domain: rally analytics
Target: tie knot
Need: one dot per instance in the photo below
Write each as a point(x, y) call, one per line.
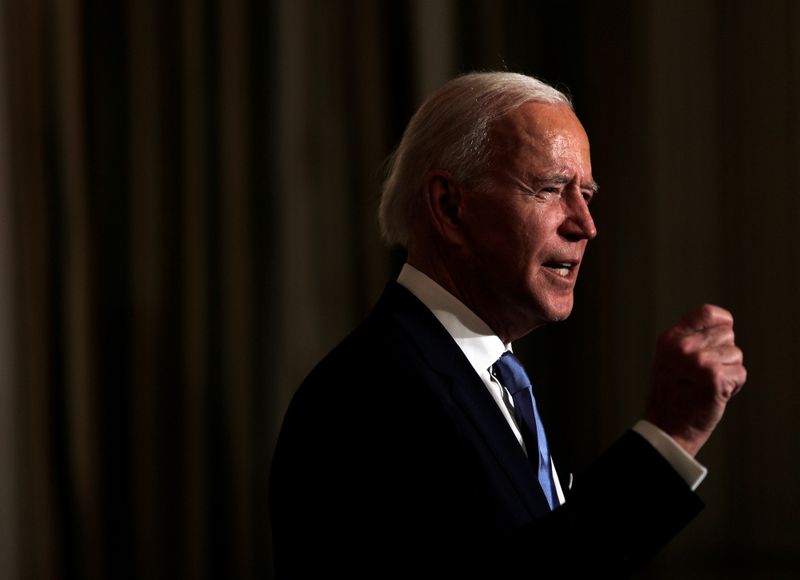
point(511, 373)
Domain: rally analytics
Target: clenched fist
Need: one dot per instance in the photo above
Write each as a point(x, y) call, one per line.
point(696, 371)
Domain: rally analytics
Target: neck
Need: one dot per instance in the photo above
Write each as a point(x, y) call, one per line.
point(473, 295)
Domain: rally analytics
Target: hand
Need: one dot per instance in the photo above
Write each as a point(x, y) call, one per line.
point(696, 371)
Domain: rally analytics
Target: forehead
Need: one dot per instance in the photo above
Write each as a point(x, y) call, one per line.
point(540, 133)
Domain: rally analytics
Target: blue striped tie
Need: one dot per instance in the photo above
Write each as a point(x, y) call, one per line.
point(512, 375)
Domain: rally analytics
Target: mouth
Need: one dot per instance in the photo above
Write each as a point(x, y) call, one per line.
point(564, 269)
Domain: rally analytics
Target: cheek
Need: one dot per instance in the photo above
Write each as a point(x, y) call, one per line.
point(533, 238)
point(496, 227)
point(510, 238)
point(520, 258)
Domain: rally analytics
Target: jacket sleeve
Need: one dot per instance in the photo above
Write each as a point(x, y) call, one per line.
point(626, 507)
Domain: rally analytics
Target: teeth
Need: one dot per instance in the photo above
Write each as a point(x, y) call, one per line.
point(561, 268)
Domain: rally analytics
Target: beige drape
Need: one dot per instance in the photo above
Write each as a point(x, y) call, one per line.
point(187, 201)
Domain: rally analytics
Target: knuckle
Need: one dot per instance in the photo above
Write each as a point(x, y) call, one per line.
point(711, 314)
point(724, 336)
point(725, 390)
point(706, 310)
point(703, 359)
point(704, 314)
point(685, 346)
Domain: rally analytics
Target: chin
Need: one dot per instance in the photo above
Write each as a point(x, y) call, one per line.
point(557, 316)
point(559, 311)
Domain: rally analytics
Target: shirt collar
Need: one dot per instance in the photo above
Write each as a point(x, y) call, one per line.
point(477, 341)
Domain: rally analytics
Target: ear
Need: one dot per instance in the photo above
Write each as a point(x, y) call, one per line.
point(444, 200)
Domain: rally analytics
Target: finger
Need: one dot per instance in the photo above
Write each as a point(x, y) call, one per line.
point(714, 336)
point(732, 380)
point(706, 316)
point(740, 378)
point(726, 354)
point(691, 342)
point(714, 362)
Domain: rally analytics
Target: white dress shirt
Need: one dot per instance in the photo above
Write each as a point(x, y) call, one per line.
point(483, 347)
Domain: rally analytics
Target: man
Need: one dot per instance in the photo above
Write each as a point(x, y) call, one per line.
point(415, 448)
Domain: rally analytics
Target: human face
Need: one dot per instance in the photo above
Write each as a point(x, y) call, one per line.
point(527, 226)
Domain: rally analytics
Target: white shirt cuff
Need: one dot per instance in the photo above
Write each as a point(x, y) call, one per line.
point(692, 472)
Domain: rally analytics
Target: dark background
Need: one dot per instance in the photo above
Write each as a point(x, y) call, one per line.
point(187, 223)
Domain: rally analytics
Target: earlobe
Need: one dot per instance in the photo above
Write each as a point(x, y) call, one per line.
point(443, 197)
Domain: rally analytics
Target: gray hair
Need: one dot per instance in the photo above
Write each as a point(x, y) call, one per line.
point(450, 131)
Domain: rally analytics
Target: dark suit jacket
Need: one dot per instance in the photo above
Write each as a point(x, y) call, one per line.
point(394, 461)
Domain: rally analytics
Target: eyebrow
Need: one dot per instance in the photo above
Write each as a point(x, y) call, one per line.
point(563, 180)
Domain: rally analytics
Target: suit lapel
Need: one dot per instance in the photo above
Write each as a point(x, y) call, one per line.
point(442, 354)
point(478, 405)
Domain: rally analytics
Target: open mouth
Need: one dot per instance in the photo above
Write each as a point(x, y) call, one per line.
point(563, 269)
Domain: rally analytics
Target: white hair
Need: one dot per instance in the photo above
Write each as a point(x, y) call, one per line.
point(450, 132)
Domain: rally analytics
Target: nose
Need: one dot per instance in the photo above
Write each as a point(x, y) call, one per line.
point(578, 223)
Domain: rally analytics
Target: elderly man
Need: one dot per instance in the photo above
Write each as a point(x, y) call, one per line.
point(415, 448)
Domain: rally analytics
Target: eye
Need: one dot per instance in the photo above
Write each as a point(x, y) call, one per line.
point(549, 192)
point(588, 195)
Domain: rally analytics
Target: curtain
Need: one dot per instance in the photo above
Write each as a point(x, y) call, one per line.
point(187, 224)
